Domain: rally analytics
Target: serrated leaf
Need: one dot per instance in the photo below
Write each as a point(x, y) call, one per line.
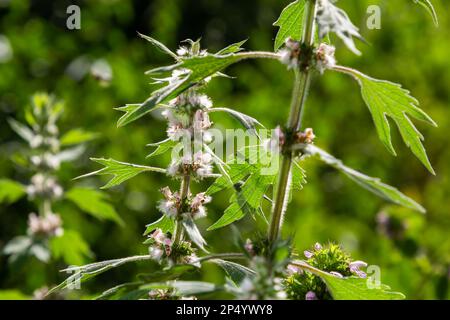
point(77, 136)
point(430, 8)
point(200, 67)
point(22, 130)
point(121, 171)
point(95, 203)
point(162, 147)
point(330, 18)
point(71, 247)
point(78, 275)
point(194, 234)
point(235, 271)
point(10, 191)
point(374, 185)
point(387, 99)
point(290, 23)
point(164, 223)
point(232, 48)
point(236, 172)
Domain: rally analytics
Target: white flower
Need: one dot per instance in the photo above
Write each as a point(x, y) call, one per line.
point(169, 206)
point(201, 121)
point(289, 55)
point(182, 51)
point(155, 253)
point(325, 57)
point(49, 225)
point(197, 205)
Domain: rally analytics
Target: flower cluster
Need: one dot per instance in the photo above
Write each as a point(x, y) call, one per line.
point(303, 285)
point(49, 225)
point(173, 206)
point(44, 186)
point(324, 57)
point(199, 165)
point(290, 54)
point(162, 249)
point(279, 140)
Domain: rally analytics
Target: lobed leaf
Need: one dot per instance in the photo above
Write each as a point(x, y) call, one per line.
point(387, 99)
point(374, 185)
point(164, 223)
point(162, 147)
point(121, 171)
point(71, 247)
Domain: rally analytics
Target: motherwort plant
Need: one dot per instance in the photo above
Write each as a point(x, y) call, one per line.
point(47, 236)
point(270, 267)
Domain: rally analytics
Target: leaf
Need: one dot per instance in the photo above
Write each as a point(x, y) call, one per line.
point(200, 67)
point(235, 271)
point(162, 147)
point(95, 203)
point(70, 154)
point(71, 247)
point(13, 294)
point(330, 18)
point(81, 274)
point(164, 223)
point(191, 229)
point(121, 171)
point(22, 130)
point(159, 45)
point(352, 288)
point(248, 122)
point(387, 99)
point(77, 136)
point(374, 185)
point(430, 8)
point(232, 48)
point(236, 173)
point(189, 288)
point(290, 23)
point(10, 191)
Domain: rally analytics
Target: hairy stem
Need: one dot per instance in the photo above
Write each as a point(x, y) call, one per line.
point(299, 96)
point(184, 191)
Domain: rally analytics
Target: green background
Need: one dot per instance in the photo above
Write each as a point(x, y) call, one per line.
point(408, 49)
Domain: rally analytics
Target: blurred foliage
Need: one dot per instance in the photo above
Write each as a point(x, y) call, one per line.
point(102, 66)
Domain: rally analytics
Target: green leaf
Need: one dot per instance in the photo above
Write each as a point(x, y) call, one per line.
point(77, 136)
point(189, 288)
point(164, 223)
point(12, 294)
point(95, 203)
point(374, 185)
point(10, 191)
point(121, 171)
point(386, 99)
point(430, 8)
point(290, 23)
point(352, 288)
point(232, 48)
point(81, 274)
point(235, 271)
point(162, 147)
point(22, 130)
point(194, 234)
point(159, 45)
point(200, 67)
point(248, 122)
point(71, 247)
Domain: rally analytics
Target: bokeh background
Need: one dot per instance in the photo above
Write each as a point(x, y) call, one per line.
point(38, 53)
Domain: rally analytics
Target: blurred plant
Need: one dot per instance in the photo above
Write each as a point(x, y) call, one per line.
point(273, 270)
point(46, 236)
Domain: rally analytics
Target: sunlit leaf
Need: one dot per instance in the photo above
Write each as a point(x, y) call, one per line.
point(121, 171)
point(387, 99)
point(290, 23)
point(162, 147)
point(164, 223)
point(22, 130)
point(235, 271)
point(194, 234)
point(159, 45)
point(374, 185)
point(95, 203)
point(248, 122)
point(232, 48)
point(71, 247)
point(10, 191)
point(77, 136)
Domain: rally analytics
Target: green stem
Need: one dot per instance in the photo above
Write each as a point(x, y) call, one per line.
point(184, 191)
point(299, 96)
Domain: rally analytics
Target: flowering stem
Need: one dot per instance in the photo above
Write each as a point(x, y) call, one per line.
point(299, 96)
point(184, 190)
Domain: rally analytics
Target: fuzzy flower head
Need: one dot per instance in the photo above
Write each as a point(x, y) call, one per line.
point(277, 141)
point(49, 225)
point(325, 57)
point(44, 186)
point(290, 54)
point(198, 210)
point(171, 203)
